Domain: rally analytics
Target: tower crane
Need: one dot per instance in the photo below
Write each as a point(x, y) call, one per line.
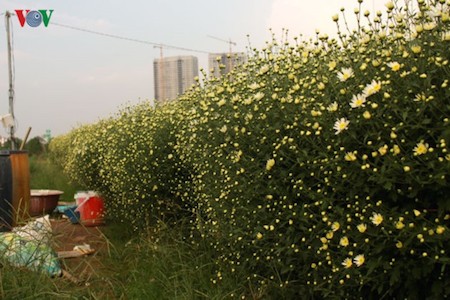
point(155, 45)
point(161, 63)
point(231, 43)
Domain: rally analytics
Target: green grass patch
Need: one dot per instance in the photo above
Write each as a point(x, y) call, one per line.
point(150, 265)
point(45, 175)
point(135, 267)
point(161, 265)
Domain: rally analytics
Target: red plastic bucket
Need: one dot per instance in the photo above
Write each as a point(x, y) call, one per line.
point(91, 208)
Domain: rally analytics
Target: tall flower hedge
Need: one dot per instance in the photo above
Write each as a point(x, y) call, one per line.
point(130, 159)
point(319, 168)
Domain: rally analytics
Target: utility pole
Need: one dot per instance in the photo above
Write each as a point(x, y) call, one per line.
point(11, 86)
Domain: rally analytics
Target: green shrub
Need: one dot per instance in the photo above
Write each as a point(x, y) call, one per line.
point(35, 147)
point(130, 160)
point(320, 168)
point(58, 149)
point(274, 175)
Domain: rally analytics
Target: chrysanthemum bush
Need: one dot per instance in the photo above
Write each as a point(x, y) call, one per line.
point(129, 159)
point(320, 167)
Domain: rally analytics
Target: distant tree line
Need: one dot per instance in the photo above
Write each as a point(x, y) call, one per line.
point(35, 146)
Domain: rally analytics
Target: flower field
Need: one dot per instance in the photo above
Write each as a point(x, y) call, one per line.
point(319, 169)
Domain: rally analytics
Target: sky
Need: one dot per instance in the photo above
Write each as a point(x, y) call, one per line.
point(65, 78)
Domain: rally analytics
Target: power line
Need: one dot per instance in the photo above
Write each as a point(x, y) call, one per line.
point(127, 38)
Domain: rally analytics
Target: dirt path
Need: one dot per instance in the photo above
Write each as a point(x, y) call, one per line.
point(68, 235)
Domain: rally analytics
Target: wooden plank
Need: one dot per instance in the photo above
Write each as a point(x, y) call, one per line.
point(74, 253)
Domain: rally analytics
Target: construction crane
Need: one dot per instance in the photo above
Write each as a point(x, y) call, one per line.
point(231, 43)
point(161, 64)
point(155, 45)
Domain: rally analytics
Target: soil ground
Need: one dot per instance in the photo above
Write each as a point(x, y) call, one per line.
point(68, 235)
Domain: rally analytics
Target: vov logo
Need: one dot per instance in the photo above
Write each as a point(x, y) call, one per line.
point(34, 18)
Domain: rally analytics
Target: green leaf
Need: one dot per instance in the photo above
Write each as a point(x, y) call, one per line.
point(404, 115)
point(436, 289)
point(388, 185)
point(395, 276)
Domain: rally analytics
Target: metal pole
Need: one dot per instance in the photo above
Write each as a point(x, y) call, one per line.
point(11, 87)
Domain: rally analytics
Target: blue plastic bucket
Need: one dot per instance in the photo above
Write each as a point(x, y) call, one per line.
point(72, 214)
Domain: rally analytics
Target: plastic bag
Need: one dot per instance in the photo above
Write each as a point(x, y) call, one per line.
point(29, 246)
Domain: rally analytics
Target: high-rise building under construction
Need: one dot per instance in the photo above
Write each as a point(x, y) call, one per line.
point(173, 76)
point(222, 63)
